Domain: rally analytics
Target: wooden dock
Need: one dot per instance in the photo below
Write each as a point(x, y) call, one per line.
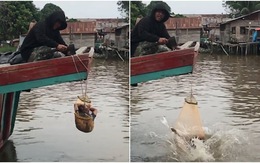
point(243, 48)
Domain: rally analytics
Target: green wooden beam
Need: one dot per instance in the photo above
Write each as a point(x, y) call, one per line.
point(161, 74)
point(42, 82)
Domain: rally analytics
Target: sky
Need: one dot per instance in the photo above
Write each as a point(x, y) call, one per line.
point(109, 9)
point(85, 9)
point(196, 7)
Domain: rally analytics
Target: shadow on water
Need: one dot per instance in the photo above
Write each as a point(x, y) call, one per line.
point(8, 152)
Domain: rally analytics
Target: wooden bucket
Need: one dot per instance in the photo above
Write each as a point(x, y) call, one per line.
point(83, 121)
point(84, 124)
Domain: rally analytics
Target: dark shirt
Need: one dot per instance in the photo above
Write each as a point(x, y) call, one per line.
point(148, 29)
point(43, 34)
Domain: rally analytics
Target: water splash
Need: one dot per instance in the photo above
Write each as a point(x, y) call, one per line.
point(219, 145)
point(165, 122)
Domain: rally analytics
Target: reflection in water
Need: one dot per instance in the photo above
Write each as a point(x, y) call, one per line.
point(8, 152)
point(227, 91)
point(45, 125)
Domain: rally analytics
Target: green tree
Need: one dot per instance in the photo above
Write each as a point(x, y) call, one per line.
point(15, 17)
point(48, 9)
point(72, 20)
point(179, 16)
point(138, 9)
point(123, 7)
point(239, 8)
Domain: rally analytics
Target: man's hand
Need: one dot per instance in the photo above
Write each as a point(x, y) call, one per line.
point(61, 48)
point(162, 41)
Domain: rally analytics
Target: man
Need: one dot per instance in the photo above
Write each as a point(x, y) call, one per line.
point(151, 31)
point(44, 39)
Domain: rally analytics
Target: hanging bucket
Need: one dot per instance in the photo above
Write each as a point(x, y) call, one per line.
point(84, 124)
point(189, 124)
point(83, 121)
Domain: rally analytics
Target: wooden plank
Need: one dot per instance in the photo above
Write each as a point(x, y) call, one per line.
point(42, 82)
point(162, 62)
point(161, 74)
point(7, 115)
point(186, 45)
point(42, 69)
point(14, 110)
point(160, 55)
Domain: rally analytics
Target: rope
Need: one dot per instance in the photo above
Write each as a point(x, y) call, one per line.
point(86, 81)
point(84, 93)
point(77, 72)
point(83, 64)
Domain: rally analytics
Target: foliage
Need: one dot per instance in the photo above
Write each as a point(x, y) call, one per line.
point(239, 8)
point(48, 9)
point(124, 9)
point(7, 48)
point(138, 10)
point(15, 17)
point(72, 20)
point(179, 16)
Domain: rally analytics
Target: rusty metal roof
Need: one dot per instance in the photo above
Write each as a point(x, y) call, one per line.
point(184, 23)
point(241, 17)
point(80, 27)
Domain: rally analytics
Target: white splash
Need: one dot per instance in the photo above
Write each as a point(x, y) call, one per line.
point(165, 122)
point(220, 145)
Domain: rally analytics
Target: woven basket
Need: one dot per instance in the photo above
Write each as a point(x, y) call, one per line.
point(84, 124)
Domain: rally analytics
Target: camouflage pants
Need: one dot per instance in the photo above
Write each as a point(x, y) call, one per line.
point(145, 48)
point(44, 53)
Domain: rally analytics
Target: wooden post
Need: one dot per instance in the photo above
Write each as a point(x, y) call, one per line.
point(248, 38)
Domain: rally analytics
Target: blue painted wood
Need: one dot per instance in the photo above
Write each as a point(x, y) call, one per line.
point(42, 82)
point(160, 74)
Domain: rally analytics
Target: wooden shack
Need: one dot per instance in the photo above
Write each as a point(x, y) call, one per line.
point(184, 29)
point(80, 33)
point(122, 36)
point(239, 29)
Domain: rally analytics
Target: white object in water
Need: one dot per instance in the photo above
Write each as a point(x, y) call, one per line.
point(91, 52)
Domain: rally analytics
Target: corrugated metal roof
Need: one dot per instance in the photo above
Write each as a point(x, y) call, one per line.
point(91, 25)
point(184, 23)
point(240, 17)
point(80, 27)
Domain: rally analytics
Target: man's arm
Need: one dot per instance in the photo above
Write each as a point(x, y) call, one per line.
point(165, 32)
point(60, 39)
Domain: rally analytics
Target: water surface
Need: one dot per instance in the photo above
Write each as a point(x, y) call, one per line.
point(227, 91)
point(45, 129)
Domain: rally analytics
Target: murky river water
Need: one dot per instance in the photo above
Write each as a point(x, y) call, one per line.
point(227, 89)
point(45, 129)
